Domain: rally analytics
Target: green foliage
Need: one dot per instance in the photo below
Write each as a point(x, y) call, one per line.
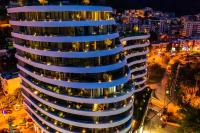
point(189, 75)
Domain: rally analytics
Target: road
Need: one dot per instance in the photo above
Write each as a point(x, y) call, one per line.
point(161, 99)
point(157, 104)
point(154, 126)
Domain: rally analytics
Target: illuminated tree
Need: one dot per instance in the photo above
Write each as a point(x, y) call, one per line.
point(86, 2)
point(21, 2)
point(43, 2)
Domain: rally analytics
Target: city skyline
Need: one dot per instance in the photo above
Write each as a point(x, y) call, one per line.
point(185, 8)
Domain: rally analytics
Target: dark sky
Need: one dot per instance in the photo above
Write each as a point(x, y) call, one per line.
point(180, 7)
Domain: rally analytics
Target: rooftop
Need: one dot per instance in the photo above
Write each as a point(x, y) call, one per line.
point(9, 75)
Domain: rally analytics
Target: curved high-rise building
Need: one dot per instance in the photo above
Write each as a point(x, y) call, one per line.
point(136, 50)
point(74, 72)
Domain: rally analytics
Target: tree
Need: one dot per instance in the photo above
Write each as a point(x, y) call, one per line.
point(191, 120)
point(197, 78)
point(153, 36)
point(156, 73)
point(21, 2)
point(169, 47)
point(86, 2)
point(43, 2)
point(9, 101)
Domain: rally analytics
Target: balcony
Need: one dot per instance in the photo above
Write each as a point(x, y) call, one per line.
point(76, 118)
point(79, 93)
point(66, 106)
point(108, 76)
point(54, 125)
point(69, 47)
point(132, 33)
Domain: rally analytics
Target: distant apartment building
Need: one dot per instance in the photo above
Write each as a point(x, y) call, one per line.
point(191, 28)
point(191, 25)
point(147, 19)
point(158, 25)
point(10, 82)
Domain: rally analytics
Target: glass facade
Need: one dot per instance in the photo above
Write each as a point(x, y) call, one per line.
point(59, 97)
point(137, 58)
point(69, 47)
point(75, 105)
point(76, 62)
point(74, 128)
point(99, 93)
point(76, 77)
point(139, 65)
point(65, 31)
point(62, 16)
point(135, 42)
point(136, 50)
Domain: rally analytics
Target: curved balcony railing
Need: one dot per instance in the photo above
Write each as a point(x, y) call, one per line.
point(85, 54)
point(100, 113)
point(96, 69)
point(137, 46)
point(78, 93)
point(137, 61)
point(141, 82)
point(70, 129)
point(138, 68)
point(140, 75)
point(137, 54)
point(78, 84)
point(62, 23)
point(134, 36)
point(56, 6)
point(83, 122)
point(115, 98)
point(65, 38)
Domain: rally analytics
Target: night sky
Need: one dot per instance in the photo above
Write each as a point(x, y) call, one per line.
point(180, 7)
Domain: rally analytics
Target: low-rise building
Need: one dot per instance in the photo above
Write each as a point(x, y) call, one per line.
point(10, 82)
point(191, 25)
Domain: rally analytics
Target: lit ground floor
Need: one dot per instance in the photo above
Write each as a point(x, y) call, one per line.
point(20, 122)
